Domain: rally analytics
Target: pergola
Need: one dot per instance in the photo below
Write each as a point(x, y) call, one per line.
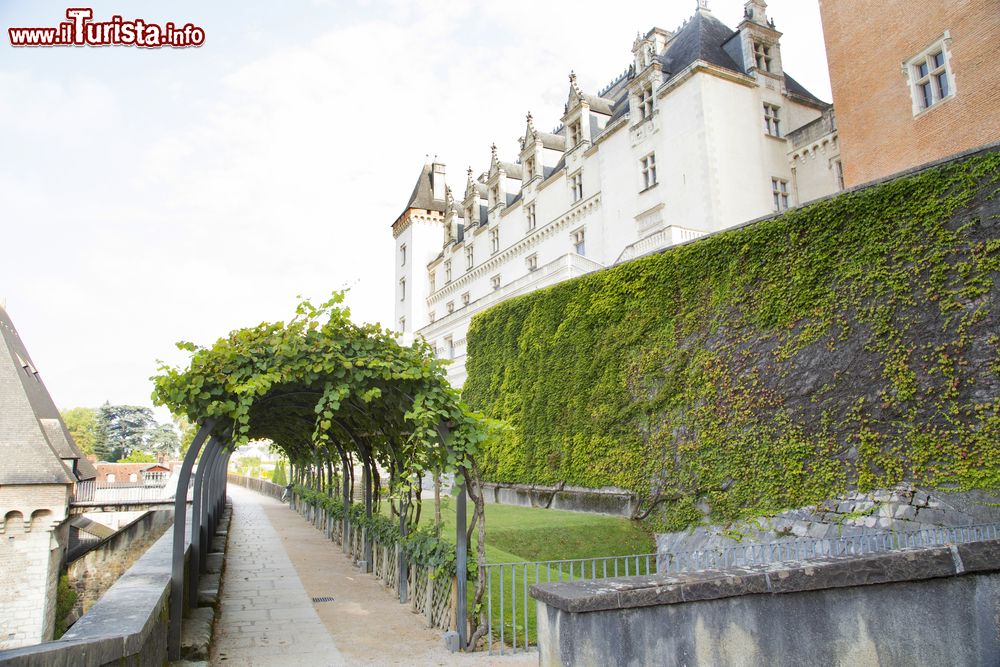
point(324, 390)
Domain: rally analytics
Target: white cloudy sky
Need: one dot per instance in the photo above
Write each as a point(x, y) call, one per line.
point(151, 196)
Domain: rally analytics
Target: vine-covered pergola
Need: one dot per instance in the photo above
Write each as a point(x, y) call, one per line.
point(331, 394)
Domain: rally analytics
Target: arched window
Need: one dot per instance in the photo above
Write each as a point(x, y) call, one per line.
point(14, 523)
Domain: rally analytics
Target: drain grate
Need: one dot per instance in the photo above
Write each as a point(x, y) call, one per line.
point(322, 599)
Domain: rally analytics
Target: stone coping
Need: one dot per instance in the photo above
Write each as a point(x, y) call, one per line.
point(119, 623)
point(773, 578)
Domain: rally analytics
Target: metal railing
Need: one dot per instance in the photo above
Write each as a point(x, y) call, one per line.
point(510, 615)
point(90, 491)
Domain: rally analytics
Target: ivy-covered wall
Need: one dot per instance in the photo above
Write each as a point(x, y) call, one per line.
point(853, 343)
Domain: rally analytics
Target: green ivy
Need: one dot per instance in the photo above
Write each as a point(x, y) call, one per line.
point(846, 344)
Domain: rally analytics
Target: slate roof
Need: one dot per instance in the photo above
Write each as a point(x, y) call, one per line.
point(26, 454)
point(513, 170)
point(423, 193)
point(701, 38)
point(554, 141)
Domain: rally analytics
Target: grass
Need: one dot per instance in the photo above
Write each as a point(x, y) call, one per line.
point(518, 534)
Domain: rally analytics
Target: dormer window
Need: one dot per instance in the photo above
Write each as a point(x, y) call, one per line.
point(447, 272)
point(468, 216)
point(495, 195)
point(575, 133)
point(430, 280)
point(529, 167)
point(494, 241)
point(469, 259)
point(646, 102)
point(762, 56)
point(529, 213)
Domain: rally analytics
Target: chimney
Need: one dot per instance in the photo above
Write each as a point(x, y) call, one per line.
point(437, 181)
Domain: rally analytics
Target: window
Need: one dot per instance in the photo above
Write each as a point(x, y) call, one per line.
point(469, 259)
point(529, 167)
point(762, 56)
point(449, 348)
point(771, 121)
point(468, 216)
point(447, 272)
point(779, 188)
point(579, 239)
point(646, 102)
point(495, 195)
point(929, 77)
point(466, 299)
point(494, 241)
point(648, 165)
point(576, 186)
point(402, 324)
point(838, 168)
point(430, 280)
point(532, 262)
point(451, 307)
point(495, 282)
point(431, 316)
point(575, 133)
point(402, 255)
point(529, 213)
point(402, 289)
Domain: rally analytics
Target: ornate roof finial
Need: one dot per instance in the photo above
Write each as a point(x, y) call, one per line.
point(703, 4)
point(573, 84)
point(531, 124)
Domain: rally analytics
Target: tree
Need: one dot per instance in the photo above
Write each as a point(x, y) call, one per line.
point(279, 477)
point(123, 428)
point(138, 457)
point(188, 431)
point(163, 440)
point(82, 425)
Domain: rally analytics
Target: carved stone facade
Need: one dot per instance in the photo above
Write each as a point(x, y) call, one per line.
point(692, 138)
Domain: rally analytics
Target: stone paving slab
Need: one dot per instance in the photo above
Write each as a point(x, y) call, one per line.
point(276, 563)
point(266, 617)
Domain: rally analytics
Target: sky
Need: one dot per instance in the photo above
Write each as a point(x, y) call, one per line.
point(149, 196)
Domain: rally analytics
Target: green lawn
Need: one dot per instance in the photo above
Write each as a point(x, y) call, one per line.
point(516, 534)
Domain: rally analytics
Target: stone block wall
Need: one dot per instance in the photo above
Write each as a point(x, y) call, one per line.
point(33, 539)
point(932, 606)
point(903, 508)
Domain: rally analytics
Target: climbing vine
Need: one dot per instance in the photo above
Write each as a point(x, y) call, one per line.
point(846, 344)
point(331, 394)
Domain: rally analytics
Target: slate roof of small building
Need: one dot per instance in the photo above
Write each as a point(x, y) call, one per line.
point(513, 170)
point(26, 454)
point(701, 38)
point(423, 193)
point(556, 142)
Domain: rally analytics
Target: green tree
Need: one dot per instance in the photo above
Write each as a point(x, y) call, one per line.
point(163, 440)
point(187, 431)
point(82, 425)
point(139, 457)
point(279, 477)
point(124, 429)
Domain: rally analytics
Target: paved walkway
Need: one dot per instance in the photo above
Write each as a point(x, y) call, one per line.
point(276, 563)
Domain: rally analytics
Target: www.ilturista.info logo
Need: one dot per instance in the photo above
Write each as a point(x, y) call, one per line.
point(82, 30)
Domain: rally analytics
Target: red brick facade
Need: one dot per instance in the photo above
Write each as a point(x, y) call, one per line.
point(868, 42)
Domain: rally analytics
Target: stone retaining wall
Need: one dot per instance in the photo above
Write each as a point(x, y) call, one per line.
point(618, 502)
point(932, 606)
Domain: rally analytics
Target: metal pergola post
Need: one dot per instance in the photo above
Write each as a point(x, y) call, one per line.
point(368, 516)
point(199, 530)
point(177, 564)
point(347, 507)
point(211, 513)
point(461, 566)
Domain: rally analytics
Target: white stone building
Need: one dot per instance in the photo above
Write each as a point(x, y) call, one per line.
point(691, 139)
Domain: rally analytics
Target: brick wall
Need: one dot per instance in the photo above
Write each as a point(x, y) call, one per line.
point(867, 42)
